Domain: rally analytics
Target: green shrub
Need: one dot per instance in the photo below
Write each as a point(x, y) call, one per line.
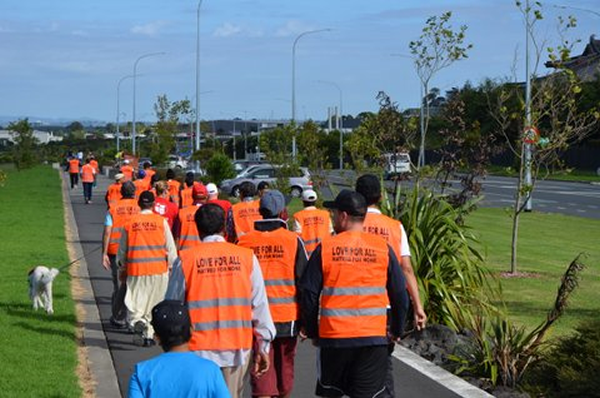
point(572, 366)
point(219, 168)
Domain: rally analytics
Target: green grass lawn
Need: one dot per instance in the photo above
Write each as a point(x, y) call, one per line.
point(547, 244)
point(38, 352)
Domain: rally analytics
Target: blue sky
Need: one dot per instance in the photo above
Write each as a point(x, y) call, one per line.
point(64, 58)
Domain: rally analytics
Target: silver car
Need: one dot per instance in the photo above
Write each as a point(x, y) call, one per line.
point(298, 182)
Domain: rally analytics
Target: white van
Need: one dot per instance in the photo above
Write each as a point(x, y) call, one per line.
point(396, 163)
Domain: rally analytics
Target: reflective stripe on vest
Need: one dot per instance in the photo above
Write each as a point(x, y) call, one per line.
point(276, 253)
point(315, 226)
point(354, 296)
point(121, 213)
point(146, 245)
point(244, 215)
point(219, 295)
point(188, 236)
point(385, 227)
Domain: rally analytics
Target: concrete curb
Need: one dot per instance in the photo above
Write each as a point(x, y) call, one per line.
point(447, 384)
point(99, 358)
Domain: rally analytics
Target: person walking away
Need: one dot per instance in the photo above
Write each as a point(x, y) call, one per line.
point(146, 253)
point(141, 184)
point(74, 165)
point(349, 281)
point(213, 197)
point(282, 260)
point(246, 211)
point(187, 234)
point(163, 206)
point(312, 224)
point(88, 177)
point(224, 288)
point(394, 234)
point(117, 217)
point(113, 193)
point(261, 188)
point(186, 193)
point(127, 170)
point(178, 372)
point(149, 172)
point(174, 187)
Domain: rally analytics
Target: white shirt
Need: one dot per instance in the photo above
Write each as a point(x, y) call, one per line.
point(404, 248)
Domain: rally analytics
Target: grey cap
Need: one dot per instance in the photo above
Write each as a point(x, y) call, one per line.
point(273, 201)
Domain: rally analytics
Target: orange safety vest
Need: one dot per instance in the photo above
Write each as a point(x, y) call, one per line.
point(140, 186)
point(174, 187)
point(354, 296)
point(189, 236)
point(74, 166)
point(94, 164)
point(113, 194)
point(121, 212)
point(87, 173)
point(219, 295)
point(146, 245)
point(244, 215)
point(387, 228)
point(315, 225)
point(127, 170)
point(276, 253)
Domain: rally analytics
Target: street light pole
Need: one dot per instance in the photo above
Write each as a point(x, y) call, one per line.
point(528, 180)
point(340, 120)
point(294, 82)
point(198, 76)
point(134, 85)
point(119, 109)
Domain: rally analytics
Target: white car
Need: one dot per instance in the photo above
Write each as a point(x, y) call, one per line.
point(176, 162)
point(396, 163)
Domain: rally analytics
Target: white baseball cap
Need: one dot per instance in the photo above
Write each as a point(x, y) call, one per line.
point(126, 161)
point(308, 195)
point(212, 188)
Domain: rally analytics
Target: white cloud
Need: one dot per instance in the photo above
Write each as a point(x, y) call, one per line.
point(292, 27)
point(149, 29)
point(227, 30)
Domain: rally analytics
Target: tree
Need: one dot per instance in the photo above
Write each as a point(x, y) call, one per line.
point(553, 112)
point(438, 47)
point(24, 149)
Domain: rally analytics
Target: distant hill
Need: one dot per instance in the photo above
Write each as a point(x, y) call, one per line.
point(46, 121)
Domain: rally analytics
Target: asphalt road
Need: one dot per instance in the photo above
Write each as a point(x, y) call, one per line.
point(90, 221)
point(572, 198)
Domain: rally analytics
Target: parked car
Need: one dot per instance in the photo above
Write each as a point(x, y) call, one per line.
point(298, 182)
point(396, 163)
point(176, 162)
point(241, 165)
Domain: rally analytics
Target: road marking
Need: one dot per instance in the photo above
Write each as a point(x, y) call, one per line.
point(580, 211)
point(561, 208)
point(592, 207)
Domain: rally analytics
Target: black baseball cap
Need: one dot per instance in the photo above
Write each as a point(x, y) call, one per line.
point(146, 198)
point(350, 202)
point(170, 317)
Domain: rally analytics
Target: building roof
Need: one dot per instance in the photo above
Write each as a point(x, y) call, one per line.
point(586, 65)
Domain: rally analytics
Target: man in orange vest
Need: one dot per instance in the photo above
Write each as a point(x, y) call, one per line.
point(246, 211)
point(394, 234)
point(282, 260)
point(224, 288)
point(349, 281)
point(148, 171)
point(312, 224)
point(213, 197)
point(141, 183)
point(186, 199)
point(113, 193)
point(96, 166)
point(174, 187)
point(88, 177)
point(186, 233)
point(127, 170)
point(117, 217)
point(73, 167)
point(146, 253)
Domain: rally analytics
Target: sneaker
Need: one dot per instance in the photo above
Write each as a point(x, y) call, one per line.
point(139, 331)
point(117, 323)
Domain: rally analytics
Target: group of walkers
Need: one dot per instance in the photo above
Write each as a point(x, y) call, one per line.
point(88, 171)
point(229, 287)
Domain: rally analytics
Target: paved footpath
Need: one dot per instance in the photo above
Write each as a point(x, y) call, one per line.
point(90, 223)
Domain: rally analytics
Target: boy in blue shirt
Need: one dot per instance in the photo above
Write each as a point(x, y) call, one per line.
point(178, 372)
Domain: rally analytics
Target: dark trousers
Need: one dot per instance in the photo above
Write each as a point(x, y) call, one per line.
point(87, 190)
point(74, 179)
point(119, 311)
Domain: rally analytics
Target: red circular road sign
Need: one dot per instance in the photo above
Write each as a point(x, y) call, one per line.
point(531, 135)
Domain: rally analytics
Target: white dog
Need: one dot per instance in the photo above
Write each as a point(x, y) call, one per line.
point(40, 287)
